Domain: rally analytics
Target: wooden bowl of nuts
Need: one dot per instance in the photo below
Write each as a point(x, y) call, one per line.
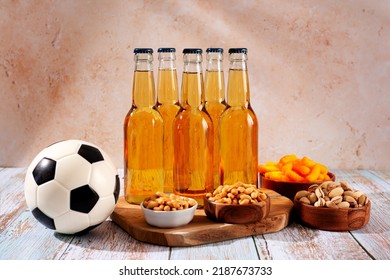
point(168, 210)
point(332, 206)
point(288, 189)
point(237, 204)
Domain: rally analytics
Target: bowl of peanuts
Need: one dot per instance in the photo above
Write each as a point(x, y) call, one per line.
point(333, 206)
point(165, 210)
point(291, 174)
point(237, 204)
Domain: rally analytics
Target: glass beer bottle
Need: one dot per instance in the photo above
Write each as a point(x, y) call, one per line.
point(193, 134)
point(238, 126)
point(143, 134)
point(215, 99)
point(168, 106)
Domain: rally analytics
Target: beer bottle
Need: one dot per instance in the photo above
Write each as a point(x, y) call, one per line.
point(215, 99)
point(193, 134)
point(238, 126)
point(168, 106)
point(143, 134)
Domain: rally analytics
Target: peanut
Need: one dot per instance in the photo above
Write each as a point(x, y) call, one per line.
point(238, 193)
point(168, 202)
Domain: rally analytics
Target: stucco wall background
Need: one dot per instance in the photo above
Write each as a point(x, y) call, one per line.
point(319, 72)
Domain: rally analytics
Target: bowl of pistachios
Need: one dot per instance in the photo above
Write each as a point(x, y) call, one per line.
point(333, 206)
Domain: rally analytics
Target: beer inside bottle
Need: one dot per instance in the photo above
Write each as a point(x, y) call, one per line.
point(238, 126)
point(215, 99)
point(168, 106)
point(193, 134)
point(143, 134)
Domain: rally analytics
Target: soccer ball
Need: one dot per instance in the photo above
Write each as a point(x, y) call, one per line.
point(71, 187)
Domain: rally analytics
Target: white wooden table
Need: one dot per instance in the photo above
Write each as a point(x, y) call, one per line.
point(23, 237)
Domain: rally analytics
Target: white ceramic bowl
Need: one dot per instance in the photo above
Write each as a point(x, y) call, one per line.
point(169, 219)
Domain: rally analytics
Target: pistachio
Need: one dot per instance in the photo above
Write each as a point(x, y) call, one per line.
point(336, 192)
point(349, 199)
point(319, 193)
point(331, 204)
point(345, 186)
point(312, 188)
point(363, 200)
point(300, 194)
point(337, 199)
point(343, 204)
point(357, 194)
point(350, 193)
point(332, 195)
point(304, 200)
point(326, 184)
point(320, 202)
point(312, 197)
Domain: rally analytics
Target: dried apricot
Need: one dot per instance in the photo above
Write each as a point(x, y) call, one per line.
point(290, 168)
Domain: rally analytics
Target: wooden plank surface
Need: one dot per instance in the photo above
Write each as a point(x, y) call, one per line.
point(235, 249)
point(375, 236)
point(109, 242)
point(22, 237)
point(297, 242)
point(12, 202)
point(200, 230)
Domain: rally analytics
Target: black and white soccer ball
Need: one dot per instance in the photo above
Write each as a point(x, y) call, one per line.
point(71, 186)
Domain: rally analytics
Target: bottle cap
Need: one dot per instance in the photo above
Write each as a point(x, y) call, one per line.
point(166, 50)
point(195, 51)
point(143, 50)
point(214, 50)
point(238, 50)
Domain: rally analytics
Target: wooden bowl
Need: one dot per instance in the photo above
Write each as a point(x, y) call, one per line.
point(332, 219)
point(288, 189)
point(236, 214)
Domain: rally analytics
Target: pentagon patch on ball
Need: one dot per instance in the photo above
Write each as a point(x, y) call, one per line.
point(71, 187)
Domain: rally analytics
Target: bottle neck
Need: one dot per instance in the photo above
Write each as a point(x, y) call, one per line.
point(215, 82)
point(167, 85)
point(192, 81)
point(143, 83)
point(238, 93)
point(167, 61)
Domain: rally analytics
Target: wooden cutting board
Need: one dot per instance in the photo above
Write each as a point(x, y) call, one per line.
point(200, 230)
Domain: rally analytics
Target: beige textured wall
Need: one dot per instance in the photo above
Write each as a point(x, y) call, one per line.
point(319, 71)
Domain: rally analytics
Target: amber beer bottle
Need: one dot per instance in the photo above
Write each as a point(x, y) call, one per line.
point(168, 106)
point(193, 134)
point(215, 99)
point(143, 134)
point(238, 126)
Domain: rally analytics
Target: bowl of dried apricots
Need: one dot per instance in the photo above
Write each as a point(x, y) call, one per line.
point(292, 174)
point(237, 204)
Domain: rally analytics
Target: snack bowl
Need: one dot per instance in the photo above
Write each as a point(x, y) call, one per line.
point(169, 219)
point(288, 189)
point(235, 213)
point(332, 219)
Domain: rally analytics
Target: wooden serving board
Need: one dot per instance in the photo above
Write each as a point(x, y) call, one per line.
point(201, 230)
